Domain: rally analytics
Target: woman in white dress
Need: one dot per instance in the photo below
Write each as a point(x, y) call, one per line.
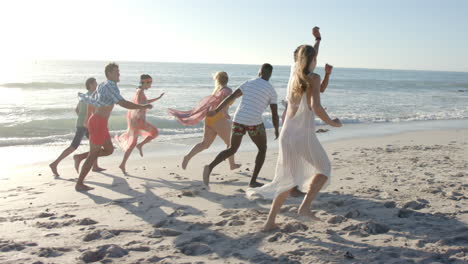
point(302, 161)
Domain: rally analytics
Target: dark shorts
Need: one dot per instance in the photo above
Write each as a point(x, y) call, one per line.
point(240, 130)
point(79, 134)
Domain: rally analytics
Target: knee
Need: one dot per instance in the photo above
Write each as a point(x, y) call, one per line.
point(319, 179)
point(108, 151)
point(262, 150)
point(205, 145)
point(322, 177)
point(233, 149)
point(229, 151)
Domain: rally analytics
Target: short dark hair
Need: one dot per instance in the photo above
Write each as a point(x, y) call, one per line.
point(110, 67)
point(266, 69)
point(89, 81)
point(145, 76)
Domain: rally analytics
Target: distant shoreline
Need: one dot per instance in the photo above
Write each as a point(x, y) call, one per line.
point(239, 64)
point(26, 155)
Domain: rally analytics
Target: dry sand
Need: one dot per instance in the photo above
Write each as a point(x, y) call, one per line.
point(393, 199)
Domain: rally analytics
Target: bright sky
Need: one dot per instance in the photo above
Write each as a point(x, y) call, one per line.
point(397, 34)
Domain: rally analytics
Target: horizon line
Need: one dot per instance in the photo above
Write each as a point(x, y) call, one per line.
point(249, 64)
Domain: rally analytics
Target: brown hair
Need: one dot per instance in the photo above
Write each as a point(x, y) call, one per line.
point(109, 67)
point(144, 77)
point(89, 81)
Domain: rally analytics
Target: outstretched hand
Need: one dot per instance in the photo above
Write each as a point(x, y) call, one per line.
point(337, 122)
point(148, 106)
point(316, 32)
point(160, 96)
point(328, 68)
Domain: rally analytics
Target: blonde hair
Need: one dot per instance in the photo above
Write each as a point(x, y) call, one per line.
point(221, 79)
point(305, 55)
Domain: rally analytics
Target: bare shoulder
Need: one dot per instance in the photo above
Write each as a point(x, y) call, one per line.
point(314, 76)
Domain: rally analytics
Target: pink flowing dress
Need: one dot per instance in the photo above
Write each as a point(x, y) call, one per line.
point(136, 124)
point(198, 113)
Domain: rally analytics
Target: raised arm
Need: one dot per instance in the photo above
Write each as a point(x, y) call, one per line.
point(236, 94)
point(318, 38)
point(275, 118)
point(328, 71)
point(313, 94)
point(155, 99)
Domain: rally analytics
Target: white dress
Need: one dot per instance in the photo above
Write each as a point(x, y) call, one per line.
point(300, 156)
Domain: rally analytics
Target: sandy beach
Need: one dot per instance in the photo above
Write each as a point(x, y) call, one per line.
point(392, 199)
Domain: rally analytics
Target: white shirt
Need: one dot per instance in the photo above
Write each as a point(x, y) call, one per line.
point(257, 94)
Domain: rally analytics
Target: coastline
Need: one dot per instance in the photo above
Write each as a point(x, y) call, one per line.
point(393, 198)
point(19, 156)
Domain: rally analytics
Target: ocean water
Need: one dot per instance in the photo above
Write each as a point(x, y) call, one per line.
point(37, 104)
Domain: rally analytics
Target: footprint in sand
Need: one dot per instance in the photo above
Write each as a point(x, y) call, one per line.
point(337, 219)
point(44, 215)
point(100, 234)
point(163, 232)
point(294, 227)
point(111, 251)
point(366, 229)
point(198, 226)
point(52, 235)
point(196, 249)
point(8, 245)
point(415, 205)
point(51, 252)
point(54, 224)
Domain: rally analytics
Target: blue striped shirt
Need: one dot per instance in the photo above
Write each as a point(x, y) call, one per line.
point(106, 94)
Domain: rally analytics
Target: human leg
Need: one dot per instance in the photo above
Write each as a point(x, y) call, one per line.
point(79, 134)
point(275, 207)
point(317, 183)
point(236, 139)
point(127, 153)
point(95, 151)
point(148, 132)
point(208, 138)
point(64, 154)
point(259, 138)
point(222, 128)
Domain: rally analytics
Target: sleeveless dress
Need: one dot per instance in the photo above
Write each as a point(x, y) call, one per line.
point(300, 156)
point(136, 125)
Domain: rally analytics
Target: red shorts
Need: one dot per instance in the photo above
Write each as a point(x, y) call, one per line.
point(98, 131)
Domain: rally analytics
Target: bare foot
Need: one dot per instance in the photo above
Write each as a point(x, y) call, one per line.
point(185, 162)
point(122, 168)
point(53, 167)
point(255, 185)
point(77, 163)
point(98, 169)
point(140, 149)
point(308, 215)
point(79, 187)
point(270, 227)
point(236, 166)
point(206, 175)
